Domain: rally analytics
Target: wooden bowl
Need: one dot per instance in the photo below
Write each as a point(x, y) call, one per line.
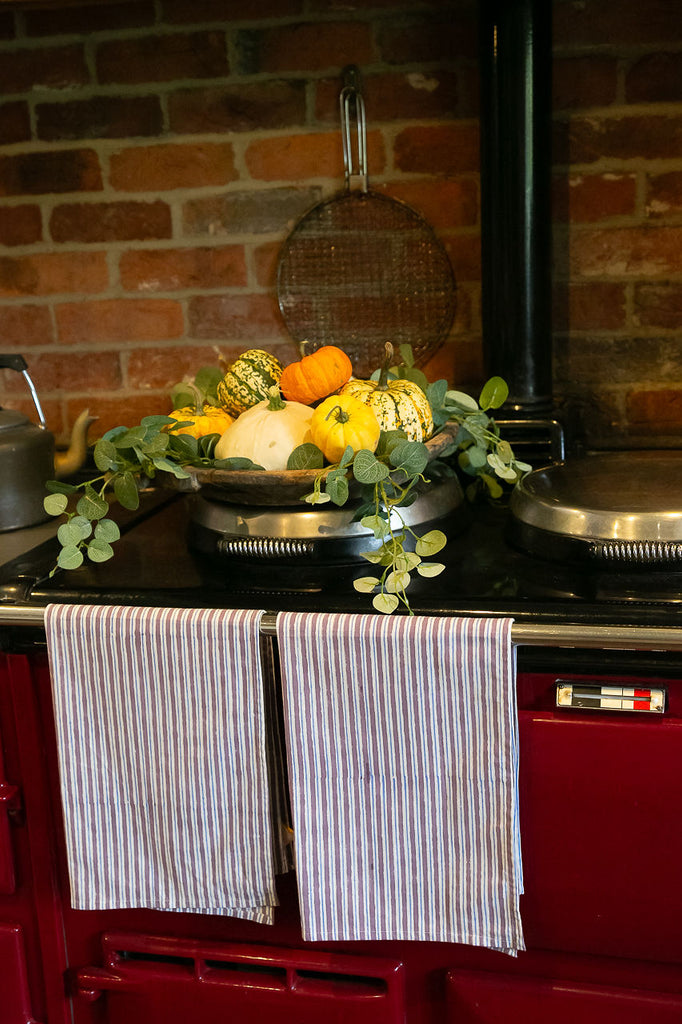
point(273, 487)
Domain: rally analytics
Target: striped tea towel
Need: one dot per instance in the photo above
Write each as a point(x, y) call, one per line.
point(403, 773)
point(163, 765)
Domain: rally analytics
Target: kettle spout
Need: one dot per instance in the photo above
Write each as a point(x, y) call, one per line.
point(73, 458)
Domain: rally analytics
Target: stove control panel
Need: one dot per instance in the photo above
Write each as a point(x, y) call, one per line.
point(607, 697)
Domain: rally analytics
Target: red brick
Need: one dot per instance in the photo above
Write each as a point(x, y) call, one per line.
point(157, 168)
point(588, 307)
point(53, 273)
point(655, 78)
point(623, 138)
point(172, 269)
point(20, 225)
point(199, 11)
point(312, 46)
point(594, 22)
point(247, 318)
point(24, 326)
point(658, 305)
point(82, 19)
point(247, 212)
point(74, 371)
point(301, 157)
point(444, 203)
point(155, 369)
point(162, 58)
point(412, 95)
point(126, 409)
point(627, 252)
point(655, 410)
point(593, 197)
point(56, 67)
point(428, 37)
point(464, 252)
point(68, 170)
point(110, 222)
point(664, 195)
point(438, 149)
point(584, 82)
point(254, 106)
point(266, 258)
point(119, 320)
point(15, 122)
point(101, 117)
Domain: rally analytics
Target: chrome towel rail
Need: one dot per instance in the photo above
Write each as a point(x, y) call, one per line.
point(536, 634)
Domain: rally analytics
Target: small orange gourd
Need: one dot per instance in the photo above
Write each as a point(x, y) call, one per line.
point(315, 376)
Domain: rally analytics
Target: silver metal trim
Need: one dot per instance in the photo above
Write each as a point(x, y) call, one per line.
point(621, 638)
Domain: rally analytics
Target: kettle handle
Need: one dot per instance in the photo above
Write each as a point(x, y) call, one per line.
point(13, 361)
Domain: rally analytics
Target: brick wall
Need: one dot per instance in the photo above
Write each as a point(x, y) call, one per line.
point(155, 155)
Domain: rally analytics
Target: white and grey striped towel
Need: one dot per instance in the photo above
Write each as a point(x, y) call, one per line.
point(163, 762)
point(403, 771)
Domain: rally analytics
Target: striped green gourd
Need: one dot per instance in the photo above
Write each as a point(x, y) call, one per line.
point(397, 404)
point(248, 381)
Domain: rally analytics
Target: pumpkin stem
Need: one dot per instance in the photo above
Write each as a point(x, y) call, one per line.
point(340, 414)
point(383, 376)
point(276, 402)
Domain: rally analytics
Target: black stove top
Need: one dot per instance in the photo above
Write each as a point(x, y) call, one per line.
point(485, 574)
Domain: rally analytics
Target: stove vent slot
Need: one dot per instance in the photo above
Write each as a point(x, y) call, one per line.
point(265, 547)
point(643, 552)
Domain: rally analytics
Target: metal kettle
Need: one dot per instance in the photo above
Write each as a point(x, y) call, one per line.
point(27, 457)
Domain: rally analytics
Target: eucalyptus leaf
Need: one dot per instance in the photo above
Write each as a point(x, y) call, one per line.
point(70, 558)
point(206, 445)
point(366, 584)
point(367, 468)
point(125, 489)
point(377, 525)
point(207, 379)
point(461, 399)
point(494, 394)
point(130, 437)
point(431, 542)
point(55, 504)
point(388, 439)
point(337, 489)
point(107, 530)
point(236, 462)
point(166, 466)
point(105, 455)
point(83, 525)
point(407, 561)
point(396, 582)
point(59, 487)
point(436, 393)
point(430, 569)
point(156, 422)
point(411, 457)
point(372, 556)
point(182, 397)
point(306, 456)
point(185, 445)
point(406, 354)
point(317, 498)
point(92, 505)
point(69, 535)
point(385, 603)
point(99, 550)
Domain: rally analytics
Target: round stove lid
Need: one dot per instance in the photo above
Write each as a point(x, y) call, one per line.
point(611, 496)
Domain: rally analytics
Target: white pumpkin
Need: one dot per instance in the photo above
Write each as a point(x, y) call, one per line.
point(267, 433)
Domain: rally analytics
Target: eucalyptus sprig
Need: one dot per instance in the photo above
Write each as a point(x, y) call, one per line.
point(124, 456)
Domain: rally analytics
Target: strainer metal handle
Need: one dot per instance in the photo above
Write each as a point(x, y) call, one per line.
point(353, 125)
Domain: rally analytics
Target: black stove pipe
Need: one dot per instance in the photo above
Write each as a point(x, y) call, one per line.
point(516, 107)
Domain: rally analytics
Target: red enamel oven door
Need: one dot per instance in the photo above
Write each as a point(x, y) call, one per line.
point(477, 998)
point(152, 980)
point(601, 813)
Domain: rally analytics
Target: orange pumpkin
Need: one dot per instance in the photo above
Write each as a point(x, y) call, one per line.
point(315, 376)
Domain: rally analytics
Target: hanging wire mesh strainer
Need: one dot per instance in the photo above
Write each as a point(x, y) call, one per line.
point(362, 269)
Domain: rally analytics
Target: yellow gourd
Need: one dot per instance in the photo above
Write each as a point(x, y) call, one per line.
point(210, 420)
point(340, 421)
